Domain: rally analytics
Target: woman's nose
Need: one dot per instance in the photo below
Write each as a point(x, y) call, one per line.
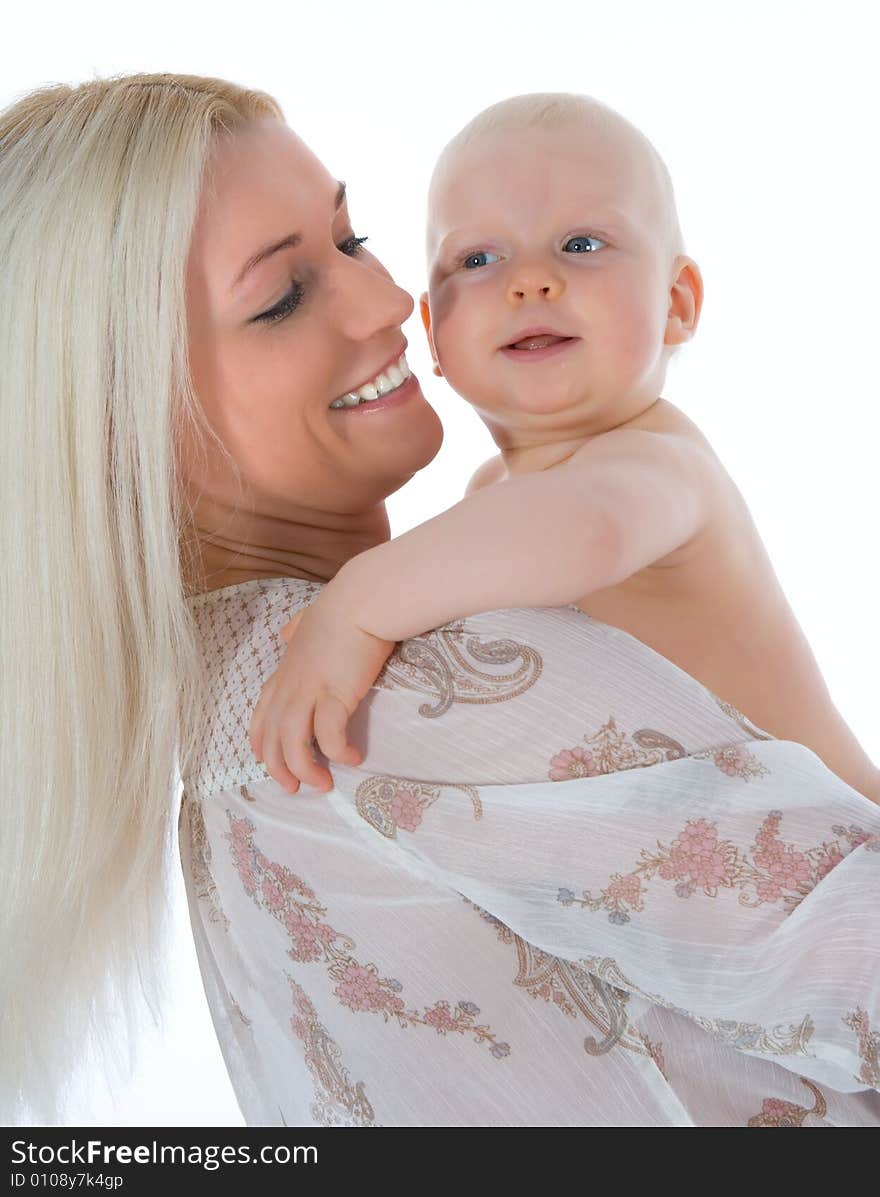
point(533, 282)
point(369, 300)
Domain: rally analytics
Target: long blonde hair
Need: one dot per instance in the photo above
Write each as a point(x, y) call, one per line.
point(101, 682)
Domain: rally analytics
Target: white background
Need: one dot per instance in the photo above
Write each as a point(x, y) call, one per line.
point(766, 114)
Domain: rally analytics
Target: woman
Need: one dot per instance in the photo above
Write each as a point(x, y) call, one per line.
point(566, 886)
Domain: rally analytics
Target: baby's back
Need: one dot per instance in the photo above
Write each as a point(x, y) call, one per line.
point(715, 607)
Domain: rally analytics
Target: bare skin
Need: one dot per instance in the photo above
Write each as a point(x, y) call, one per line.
point(313, 482)
point(603, 495)
point(715, 608)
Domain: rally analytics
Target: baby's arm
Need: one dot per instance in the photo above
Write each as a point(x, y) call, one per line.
point(621, 502)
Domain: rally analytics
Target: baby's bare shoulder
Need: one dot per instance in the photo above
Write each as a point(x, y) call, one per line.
point(728, 533)
point(673, 427)
point(665, 455)
point(487, 474)
point(662, 438)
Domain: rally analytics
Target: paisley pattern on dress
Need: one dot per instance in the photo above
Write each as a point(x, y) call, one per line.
point(776, 1112)
point(337, 1101)
point(466, 812)
point(573, 990)
point(445, 664)
point(206, 889)
point(788, 1040)
point(387, 803)
point(754, 733)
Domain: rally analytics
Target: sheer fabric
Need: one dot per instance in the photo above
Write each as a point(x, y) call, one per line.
point(568, 886)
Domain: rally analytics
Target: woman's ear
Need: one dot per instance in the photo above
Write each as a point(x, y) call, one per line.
point(425, 312)
point(685, 301)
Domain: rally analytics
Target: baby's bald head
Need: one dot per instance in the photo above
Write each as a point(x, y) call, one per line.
point(606, 138)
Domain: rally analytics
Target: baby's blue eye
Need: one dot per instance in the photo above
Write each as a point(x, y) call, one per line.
point(472, 261)
point(581, 247)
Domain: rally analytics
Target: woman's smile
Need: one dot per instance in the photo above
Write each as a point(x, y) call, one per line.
point(405, 390)
point(389, 378)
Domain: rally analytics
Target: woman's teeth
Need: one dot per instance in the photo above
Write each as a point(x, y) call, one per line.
point(383, 384)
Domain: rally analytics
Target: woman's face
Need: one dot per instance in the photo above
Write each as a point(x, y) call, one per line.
point(271, 347)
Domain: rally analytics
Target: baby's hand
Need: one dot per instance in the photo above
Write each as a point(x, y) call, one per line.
point(327, 669)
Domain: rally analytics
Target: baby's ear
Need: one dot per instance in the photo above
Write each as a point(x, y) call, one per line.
point(425, 312)
point(685, 301)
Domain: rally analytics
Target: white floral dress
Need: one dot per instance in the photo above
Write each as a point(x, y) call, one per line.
point(567, 887)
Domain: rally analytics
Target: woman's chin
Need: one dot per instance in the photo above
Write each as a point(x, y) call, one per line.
point(421, 440)
point(391, 446)
point(416, 448)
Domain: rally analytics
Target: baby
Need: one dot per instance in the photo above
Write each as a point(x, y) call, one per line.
point(558, 291)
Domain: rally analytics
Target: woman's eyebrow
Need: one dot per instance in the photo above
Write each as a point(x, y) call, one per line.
point(288, 242)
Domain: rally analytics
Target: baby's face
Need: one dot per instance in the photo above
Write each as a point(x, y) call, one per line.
point(562, 231)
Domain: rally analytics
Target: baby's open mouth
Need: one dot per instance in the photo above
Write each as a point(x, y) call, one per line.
point(540, 342)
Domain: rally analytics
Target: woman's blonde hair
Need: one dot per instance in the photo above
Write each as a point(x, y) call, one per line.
point(102, 681)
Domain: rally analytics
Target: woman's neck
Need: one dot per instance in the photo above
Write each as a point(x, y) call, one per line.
point(226, 548)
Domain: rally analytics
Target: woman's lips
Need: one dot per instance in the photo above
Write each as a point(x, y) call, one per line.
point(395, 398)
point(540, 353)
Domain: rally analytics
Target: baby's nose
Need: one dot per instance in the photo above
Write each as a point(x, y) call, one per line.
point(523, 292)
point(534, 284)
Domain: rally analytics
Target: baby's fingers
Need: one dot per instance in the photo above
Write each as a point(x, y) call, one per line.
point(296, 741)
point(273, 758)
point(331, 722)
point(287, 629)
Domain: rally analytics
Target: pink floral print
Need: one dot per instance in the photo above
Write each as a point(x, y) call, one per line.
point(611, 750)
point(406, 810)
point(697, 859)
point(359, 987)
point(573, 762)
point(869, 1044)
point(736, 761)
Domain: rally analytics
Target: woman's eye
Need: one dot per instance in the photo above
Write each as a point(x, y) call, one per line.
point(352, 245)
point(293, 298)
point(284, 306)
point(473, 261)
point(581, 246)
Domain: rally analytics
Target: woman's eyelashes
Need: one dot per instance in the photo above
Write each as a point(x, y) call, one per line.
point(479, 257)
point(294, 297)
point(284, 306)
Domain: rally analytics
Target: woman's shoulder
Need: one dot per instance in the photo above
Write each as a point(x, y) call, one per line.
point(237, 626)
point(236, 629)
point(241, 622)
point(269, 589)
